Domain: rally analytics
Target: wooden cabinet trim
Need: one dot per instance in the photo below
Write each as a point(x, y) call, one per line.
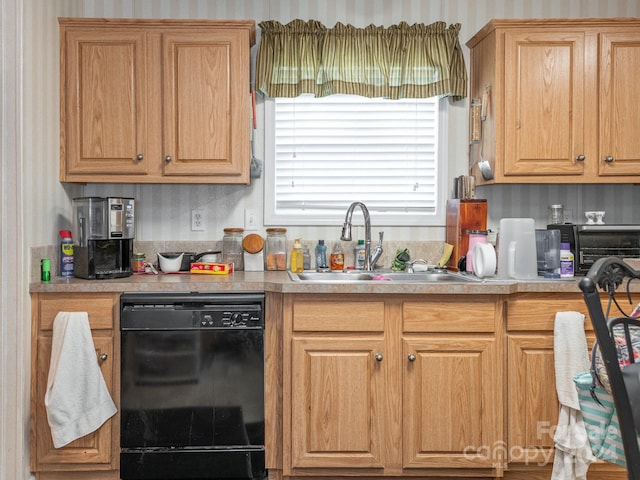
point(535, 312)
point(101, 309)
point(338, 317)
point(456, 314)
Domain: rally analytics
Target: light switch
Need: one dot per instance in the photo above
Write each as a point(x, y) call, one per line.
point(250, 219)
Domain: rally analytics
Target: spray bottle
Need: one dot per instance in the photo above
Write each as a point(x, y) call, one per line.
point(66, 254)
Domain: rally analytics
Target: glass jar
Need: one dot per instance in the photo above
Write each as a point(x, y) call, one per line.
point(556, 214)
point(139, 262)
point(276, 249)
point(232, 248)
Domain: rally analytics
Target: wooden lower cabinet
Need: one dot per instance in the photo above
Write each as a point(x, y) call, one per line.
point(335, 385)
point(94, 456)
point(452, 384)
point(389, 386)
point(532, 405)
point(375, 386)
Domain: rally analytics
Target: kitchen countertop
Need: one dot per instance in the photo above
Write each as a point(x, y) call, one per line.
point(280, 282)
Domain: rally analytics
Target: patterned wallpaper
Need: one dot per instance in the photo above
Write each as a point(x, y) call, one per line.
point(164, 210)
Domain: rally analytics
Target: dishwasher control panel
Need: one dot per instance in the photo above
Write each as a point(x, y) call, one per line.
point(236, 318)
point(191, 311)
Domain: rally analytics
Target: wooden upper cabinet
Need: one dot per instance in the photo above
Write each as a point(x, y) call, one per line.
point(103, 102)
point(155, 101)
point(619, 152)
point(203, 107)
point(559, 100)
point(544, 103)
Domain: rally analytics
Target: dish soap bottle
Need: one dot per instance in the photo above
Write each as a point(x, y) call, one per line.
point(337, 258)
point(297, 257)
point(321, 255)
point(307, 257)
point(359, 255)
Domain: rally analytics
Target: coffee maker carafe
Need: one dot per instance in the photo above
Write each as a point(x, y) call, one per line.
point(104, 229)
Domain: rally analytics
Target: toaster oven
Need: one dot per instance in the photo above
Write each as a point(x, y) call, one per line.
point(591, 242)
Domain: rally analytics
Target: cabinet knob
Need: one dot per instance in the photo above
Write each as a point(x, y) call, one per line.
point(103, 356)
point(139, 157)
point(609, 159)
point(167, 158)
point(412, 357)
point(580, 158)
point(379, 357)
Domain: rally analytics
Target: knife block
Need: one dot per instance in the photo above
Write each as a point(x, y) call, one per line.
point(463, 215)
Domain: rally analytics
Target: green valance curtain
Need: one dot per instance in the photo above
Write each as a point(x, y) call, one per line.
point(401, 61)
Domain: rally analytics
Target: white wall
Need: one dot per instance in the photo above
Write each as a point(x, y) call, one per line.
point(35, 205)
point(14, 366)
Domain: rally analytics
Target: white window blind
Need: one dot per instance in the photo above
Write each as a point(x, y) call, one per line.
point(329, 152)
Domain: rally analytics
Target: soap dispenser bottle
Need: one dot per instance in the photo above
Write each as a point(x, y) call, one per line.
point(321, 256)
point(336, 259)
point(297, 257)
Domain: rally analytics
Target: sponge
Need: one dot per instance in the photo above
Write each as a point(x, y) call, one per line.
point(446, 254)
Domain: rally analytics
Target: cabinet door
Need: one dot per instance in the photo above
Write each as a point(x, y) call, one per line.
point(533, 402)
point(94, 448)
point(338, 398)
point(543, 103)
point(619, 152)
point(206, 103)
point(103, 125)
point(452, 397)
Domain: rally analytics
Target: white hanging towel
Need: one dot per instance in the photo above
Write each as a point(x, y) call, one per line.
point(573, 452)
point(77, 399)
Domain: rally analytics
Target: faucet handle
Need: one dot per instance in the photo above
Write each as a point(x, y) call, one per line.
point(410, 264)
point(380, 235)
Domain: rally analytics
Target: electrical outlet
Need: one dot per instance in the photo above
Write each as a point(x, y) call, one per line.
point(197, 220)
point(250, 219)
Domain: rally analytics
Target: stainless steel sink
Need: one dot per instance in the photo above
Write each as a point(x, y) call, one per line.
point(383, 276)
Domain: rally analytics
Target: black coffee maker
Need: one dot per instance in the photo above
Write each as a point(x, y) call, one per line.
point(104, 229)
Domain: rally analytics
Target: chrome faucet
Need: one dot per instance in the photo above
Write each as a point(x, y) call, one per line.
point(377, 252)
point(409, 265)
point(370, 258)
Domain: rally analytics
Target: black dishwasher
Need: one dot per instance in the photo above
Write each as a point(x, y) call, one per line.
point(192, 386)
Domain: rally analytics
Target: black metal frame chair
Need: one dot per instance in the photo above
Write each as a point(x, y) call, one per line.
point(609, 274)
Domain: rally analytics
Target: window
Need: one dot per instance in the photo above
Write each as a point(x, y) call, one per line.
point(325, 153)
